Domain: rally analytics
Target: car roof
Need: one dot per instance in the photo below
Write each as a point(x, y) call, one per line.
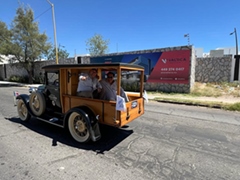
point(95, 65)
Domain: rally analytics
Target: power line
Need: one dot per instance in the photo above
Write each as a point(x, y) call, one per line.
point(42, 13)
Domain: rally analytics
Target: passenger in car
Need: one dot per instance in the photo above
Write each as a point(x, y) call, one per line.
point(109, 89)
point(88, 83)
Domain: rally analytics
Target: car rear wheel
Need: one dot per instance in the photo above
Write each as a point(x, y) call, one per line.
point(22, 110)
point(78, 127)
point(37, 103)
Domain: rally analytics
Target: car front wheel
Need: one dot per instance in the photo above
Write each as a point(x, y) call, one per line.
point(22, 110)
point(78, 127)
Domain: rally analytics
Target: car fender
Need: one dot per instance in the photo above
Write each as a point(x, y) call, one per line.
point(90, 116)
point(25, 99)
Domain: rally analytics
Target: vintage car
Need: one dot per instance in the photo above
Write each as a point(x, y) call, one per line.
point(57, 103)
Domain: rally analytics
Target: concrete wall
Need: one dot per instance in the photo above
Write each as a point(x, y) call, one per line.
point(15, 69)
point(216, 69)
point(2, 74)
point(213, 69)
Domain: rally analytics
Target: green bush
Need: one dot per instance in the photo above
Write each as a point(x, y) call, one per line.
point(20, 79)
point(36, 80)
point(24, 79)
point(233, 107)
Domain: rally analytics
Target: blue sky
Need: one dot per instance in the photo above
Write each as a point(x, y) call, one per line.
point(134, 24)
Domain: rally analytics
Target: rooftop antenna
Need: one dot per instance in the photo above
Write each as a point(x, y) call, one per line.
point(187, 35)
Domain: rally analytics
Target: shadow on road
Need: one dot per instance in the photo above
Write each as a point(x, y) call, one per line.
point(110, 136)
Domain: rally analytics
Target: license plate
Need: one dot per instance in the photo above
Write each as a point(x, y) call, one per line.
point(134, 104)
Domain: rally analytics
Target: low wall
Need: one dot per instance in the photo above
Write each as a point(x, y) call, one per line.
point(213, 69)
point(16, 70)
point(2, 74)
point(168, 88)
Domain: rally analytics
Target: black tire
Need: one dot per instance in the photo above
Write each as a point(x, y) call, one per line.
point(37, 103)
point(78, 127)
point(22, 110)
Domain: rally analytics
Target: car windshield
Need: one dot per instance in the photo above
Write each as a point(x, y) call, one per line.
point(52, 77)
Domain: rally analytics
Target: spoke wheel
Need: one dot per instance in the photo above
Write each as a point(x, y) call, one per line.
point(22, 110)
point(37, 103)
point(78, 127)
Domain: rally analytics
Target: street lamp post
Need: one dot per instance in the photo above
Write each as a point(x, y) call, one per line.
point(237, 57)
point(54, 27)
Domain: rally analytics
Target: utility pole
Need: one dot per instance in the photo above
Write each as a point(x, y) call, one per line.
point(54, 28)
point(237, 57)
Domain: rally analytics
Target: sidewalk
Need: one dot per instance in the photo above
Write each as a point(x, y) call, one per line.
point(7, 83)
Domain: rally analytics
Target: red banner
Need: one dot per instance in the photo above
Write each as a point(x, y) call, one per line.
point(172, 67)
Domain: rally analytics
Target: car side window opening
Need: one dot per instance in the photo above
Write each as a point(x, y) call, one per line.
point(52, 78)
point(130, 81)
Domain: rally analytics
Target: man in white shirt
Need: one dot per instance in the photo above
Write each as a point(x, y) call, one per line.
point(109, 89)
point(88, 83)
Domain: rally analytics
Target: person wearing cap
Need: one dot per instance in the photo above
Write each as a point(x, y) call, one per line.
point(88, 83)
point(109, 88)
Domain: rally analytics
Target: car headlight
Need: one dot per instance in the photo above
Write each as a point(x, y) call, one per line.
point(32, 89)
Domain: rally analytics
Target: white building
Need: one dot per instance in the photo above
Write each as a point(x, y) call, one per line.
point(228, 50)
point(4, 59)
point(218, 52)
point(198, 52)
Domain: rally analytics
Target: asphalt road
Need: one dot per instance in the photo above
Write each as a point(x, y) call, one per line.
point(168, 142)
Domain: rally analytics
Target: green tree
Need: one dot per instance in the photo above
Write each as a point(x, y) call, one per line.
point(5, 38)
point(97, 45)
point(24, 41)
point(62, 53)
